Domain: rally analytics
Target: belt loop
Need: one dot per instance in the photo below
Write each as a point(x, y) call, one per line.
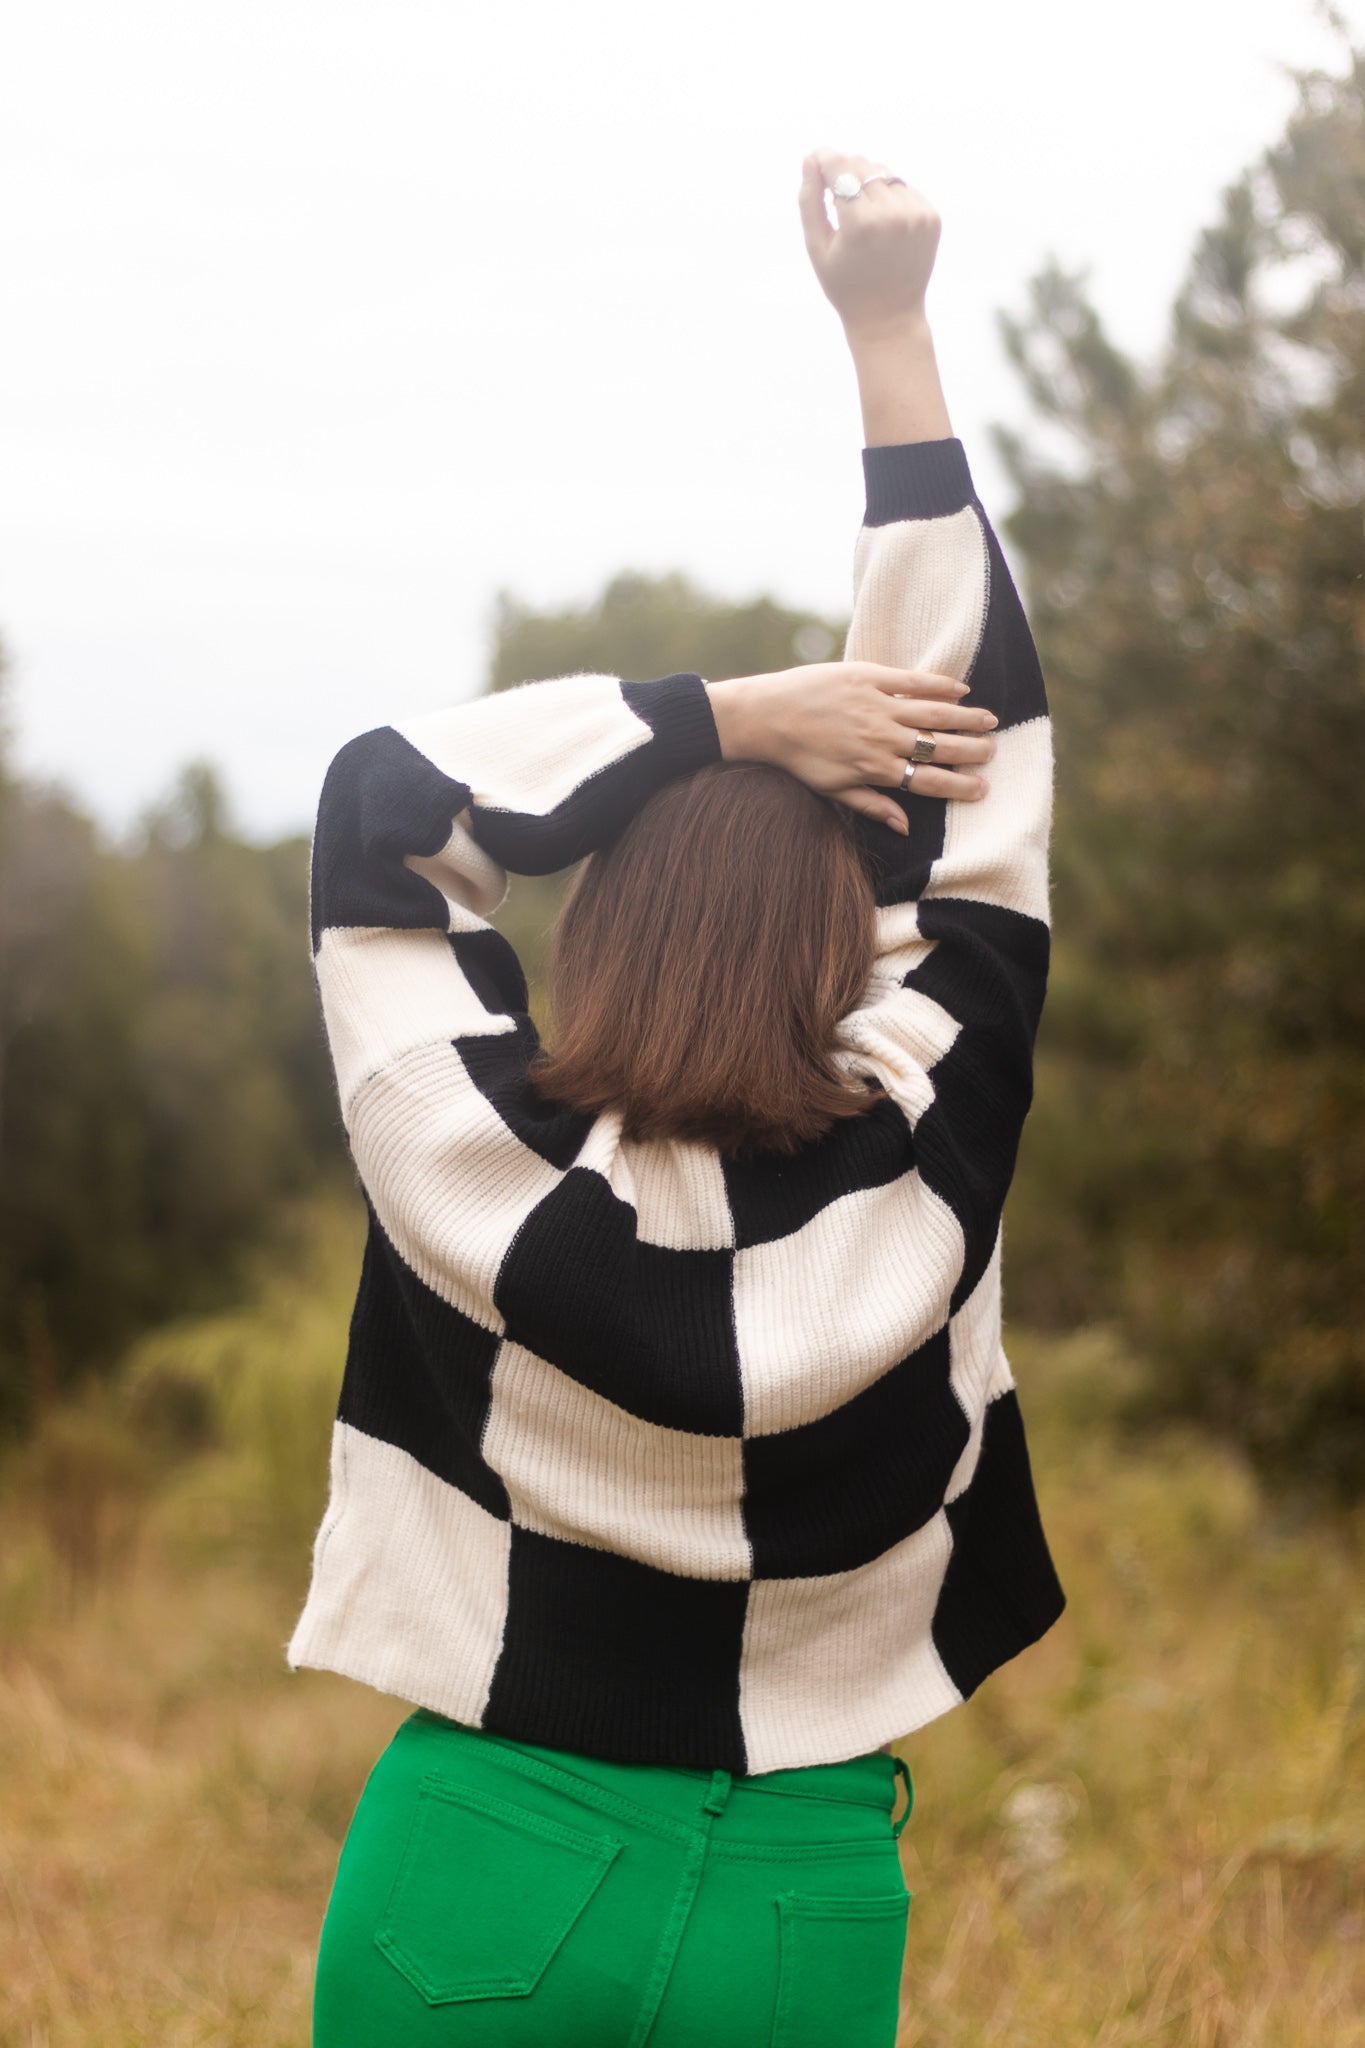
point(715, 1799)
point(902, 1771)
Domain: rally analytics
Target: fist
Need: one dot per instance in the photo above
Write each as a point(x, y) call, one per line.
point(874, 268)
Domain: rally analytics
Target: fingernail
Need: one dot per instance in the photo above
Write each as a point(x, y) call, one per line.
point(961, 688)
point(991, 719)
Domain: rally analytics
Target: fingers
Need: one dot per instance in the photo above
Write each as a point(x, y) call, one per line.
point(956, 786)
point(932, 702)
point(875, 806)
point(958, 783)
point(954, 771)
point(814, 219)
point(951, 749)
point(831, 162)
point(911, 682)
point(913, 714)
point(910, 715)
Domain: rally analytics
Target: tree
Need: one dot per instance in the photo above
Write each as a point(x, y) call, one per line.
point(1195, 1163)
point(641, 626)
point(167, 1088)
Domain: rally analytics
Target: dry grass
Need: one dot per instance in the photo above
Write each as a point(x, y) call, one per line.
point(1151, 1827)
point(1148, 1829)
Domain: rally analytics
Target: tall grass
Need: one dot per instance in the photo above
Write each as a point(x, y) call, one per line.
point(1150, 1828)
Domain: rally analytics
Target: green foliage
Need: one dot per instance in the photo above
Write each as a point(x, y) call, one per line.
point(248, 1395)
point(642, 626)
point(163, 1081)
point(1195, 1162)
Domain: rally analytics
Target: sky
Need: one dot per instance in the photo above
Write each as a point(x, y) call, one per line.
point(324, 320)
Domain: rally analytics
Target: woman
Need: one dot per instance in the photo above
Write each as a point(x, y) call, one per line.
point(678, 1469)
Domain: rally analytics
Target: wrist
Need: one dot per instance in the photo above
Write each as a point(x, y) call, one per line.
point(740, 725)
point(888, 334)
point(899, 388)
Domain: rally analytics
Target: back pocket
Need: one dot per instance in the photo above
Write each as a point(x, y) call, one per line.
point(485, 1893)
point(840, 1974)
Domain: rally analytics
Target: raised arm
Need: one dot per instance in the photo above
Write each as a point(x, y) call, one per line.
point(952, 1013)
point(931, 586)
point(938, 640)
point(960, 860)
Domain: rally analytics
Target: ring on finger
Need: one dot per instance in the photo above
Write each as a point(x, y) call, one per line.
point(848, 185)
point(908, 775)
point(926, 745)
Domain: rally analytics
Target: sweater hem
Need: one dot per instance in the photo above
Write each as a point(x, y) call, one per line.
point(829, 1750)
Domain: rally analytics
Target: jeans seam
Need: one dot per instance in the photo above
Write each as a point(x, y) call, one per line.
point(818, 1798)
point(558, 1779)
point(798, 1852)
point(666, 1955)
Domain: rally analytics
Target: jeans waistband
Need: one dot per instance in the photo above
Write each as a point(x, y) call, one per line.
point(867, 1780)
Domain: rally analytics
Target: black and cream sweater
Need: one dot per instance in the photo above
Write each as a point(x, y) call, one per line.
point(642, 1451)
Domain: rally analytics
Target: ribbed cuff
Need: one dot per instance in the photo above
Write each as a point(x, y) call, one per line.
point(679, 711)
point(916, 480)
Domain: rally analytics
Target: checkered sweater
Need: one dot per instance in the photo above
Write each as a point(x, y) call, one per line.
point(643, 1451)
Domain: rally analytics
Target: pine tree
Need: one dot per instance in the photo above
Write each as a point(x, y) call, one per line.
point(1195, 1165)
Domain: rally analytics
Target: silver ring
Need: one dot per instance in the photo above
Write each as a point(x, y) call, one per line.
point(847, 186)
point(908, 775)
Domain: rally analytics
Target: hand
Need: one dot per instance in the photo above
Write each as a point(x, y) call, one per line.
point(842, 727)
point(874, 267)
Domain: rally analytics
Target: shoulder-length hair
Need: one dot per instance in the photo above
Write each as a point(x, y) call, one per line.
point(702, 961)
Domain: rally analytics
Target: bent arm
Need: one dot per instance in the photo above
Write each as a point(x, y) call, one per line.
point(424, 1001)
point(418, 825)
point(424, 818)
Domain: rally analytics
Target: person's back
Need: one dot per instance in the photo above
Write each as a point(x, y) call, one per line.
point(678, 1470)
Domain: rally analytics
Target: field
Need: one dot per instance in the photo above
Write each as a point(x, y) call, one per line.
point(1150, 1828)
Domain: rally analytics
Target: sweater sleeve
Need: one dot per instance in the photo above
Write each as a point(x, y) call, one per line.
point(423, 819)
point(418, 824)
point(424, 1002)
point(951, 1011)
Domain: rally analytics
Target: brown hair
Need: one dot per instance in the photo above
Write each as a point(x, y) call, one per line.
point(701, 962)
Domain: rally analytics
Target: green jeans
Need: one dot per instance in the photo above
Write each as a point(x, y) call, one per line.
point(493, 1894)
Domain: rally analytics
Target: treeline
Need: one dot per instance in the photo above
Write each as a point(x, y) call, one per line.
point(165, 1091)
point(1193, 1170)
point(1195, 1167)
point(163, 1082)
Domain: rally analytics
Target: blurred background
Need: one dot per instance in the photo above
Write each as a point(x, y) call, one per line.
point(359, 358)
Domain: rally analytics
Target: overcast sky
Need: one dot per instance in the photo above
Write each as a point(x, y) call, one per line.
point(324, 319)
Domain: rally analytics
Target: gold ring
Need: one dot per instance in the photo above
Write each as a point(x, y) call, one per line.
point(926, 746)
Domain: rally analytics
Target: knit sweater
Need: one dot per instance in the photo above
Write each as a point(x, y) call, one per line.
point(643, 1450)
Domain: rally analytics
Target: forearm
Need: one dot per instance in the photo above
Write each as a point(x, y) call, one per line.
point(902, 403)
point(527, 781)
point(898, 383)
